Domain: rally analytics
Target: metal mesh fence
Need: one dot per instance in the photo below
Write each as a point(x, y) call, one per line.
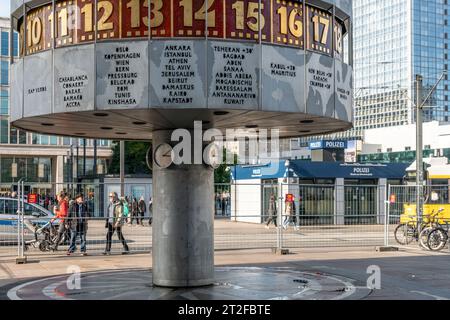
point(8, 237)
point(247, 216)
point(137, 237)
point(410, 229)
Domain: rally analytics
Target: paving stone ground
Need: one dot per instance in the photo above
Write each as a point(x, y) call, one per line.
point(325, 273)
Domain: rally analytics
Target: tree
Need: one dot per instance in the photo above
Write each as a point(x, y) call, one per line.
point(223, 173)
point(135, 158)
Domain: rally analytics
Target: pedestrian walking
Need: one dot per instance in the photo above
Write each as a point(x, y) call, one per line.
point(272, 212)
point(47, 202)
point(142, 208)
point(288, 211)
point(78, 224)
point(114, 223)
point(223, 203)
point(134, 210)
point(150, 211)
point(90, 203)
point(61, 212)
point(217, 203)
point(297, 215)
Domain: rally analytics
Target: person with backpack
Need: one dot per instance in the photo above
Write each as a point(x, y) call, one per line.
point(114, 223)
point(126, 210)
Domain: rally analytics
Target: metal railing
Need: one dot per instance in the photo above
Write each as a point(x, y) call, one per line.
point(405, 226)
point(322, 216)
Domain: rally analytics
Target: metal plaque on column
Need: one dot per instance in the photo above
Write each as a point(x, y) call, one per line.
point(344, 98)
point(38, 84)
point(320, 84)
point(283, 79)
point(122, 75)
point(177, 74)
point(75, 81)
point(16, 108)
point(233, 75)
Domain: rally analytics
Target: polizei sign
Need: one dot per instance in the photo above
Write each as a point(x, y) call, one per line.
point(328, 144)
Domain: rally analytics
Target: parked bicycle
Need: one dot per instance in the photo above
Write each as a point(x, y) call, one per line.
point(437, 238)
point(405, 233)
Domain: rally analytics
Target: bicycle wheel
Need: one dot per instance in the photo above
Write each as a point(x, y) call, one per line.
point(44, 246)
point(423, 237)
point(437, 239)
point(404, 234)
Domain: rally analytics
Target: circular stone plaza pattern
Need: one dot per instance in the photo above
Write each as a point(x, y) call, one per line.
point(138, 69)
point(231, 283)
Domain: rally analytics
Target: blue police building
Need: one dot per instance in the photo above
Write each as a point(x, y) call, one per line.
point(324, 192)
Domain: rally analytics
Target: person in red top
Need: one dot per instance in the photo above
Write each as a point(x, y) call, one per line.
point(61, 212)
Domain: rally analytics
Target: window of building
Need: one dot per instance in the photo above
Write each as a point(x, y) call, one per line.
point(32, 169)
point(407, 148)
point(44, 140)
point(16, 44)
point(4, 77)
point(4, 130)
point(66, 141)
point(4, 43)
point(389, 150)
point(4, 102)
point(103, 143)
point(22, 137)
point(13, 136)
point(53, 140)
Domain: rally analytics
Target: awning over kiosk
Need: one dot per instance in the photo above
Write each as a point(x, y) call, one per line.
point(320, 170)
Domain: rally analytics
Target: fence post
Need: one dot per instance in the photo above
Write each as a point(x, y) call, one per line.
point(22, 212)
point(20, 217)
point(386, 218)
point(280, 226)
point(279, 220)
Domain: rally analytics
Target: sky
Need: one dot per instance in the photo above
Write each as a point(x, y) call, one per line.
point(4, 8)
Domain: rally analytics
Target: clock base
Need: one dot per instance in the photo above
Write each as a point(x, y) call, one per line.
point(183, 222)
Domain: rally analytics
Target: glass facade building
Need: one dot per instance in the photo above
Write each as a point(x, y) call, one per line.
point(393, 40)
point(430, 53)
point(41, 160)
point(400, 157)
